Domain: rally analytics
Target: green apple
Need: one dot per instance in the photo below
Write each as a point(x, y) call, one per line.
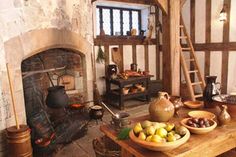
point(150, 130)
point(161, 132)
point(142, 136)
point(158, 125)
point(146, 124)
point(177, 136)
point(156, 138)
point(169, 126)
point(171, 138)
point(137, 128)
point(181, 130)
point(148, 139)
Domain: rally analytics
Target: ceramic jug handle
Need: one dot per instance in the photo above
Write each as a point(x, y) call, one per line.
point(166, 95)
point(218, 83)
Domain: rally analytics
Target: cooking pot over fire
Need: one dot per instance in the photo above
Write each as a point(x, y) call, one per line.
point(57, 97)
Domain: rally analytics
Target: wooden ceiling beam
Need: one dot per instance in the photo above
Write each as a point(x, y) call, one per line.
point(182, 2)
point(147, 2)
point(163, 4)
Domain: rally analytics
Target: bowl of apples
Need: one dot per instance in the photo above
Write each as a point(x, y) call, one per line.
point(159, 136)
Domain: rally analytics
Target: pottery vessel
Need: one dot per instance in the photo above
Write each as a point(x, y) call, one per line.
point(224, 116)
point(210, 90)
point(161, 109)
point(177, 102)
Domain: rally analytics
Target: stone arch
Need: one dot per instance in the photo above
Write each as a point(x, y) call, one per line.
point(30, 43)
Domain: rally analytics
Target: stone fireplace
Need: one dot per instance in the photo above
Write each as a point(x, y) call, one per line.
point(68, 52)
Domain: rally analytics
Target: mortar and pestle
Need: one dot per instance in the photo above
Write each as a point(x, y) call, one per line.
point(18, 137)
point(119, 120)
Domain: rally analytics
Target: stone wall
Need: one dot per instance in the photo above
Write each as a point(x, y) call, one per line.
point(31, 26)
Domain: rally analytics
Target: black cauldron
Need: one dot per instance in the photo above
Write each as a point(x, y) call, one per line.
point(96, 112)
point(57, 97)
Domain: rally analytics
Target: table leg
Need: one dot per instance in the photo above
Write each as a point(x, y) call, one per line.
point(125, 153)
point(121, 103)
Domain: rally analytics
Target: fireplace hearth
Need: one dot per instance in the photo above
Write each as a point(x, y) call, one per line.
point(53, 81)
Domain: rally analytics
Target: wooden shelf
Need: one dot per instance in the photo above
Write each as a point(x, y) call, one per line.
point(121, 40)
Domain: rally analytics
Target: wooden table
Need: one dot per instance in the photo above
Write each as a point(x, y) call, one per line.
point(121, 83)
point(218, 141)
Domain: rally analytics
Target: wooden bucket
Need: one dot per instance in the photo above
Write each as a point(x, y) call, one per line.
point(18, 140)
point(3, 146)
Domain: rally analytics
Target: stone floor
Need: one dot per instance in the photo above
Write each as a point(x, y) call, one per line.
point(83, 146)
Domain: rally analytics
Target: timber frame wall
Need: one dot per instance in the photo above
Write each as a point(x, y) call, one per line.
point(208, 46)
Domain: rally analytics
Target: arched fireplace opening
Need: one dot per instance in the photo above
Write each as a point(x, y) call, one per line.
point(55, 124)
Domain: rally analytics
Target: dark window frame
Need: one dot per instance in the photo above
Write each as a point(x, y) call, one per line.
point(121, 18)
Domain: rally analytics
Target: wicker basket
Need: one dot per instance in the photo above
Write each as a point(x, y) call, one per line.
point(104, 147)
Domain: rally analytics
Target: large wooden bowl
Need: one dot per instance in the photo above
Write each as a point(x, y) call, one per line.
point(201, 114)
point(199, 130)
point(159, 146)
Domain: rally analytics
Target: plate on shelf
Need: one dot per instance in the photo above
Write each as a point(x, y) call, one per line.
point(193, 104)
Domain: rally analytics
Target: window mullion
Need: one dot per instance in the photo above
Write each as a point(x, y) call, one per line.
point(130, 20)
point(111, 21)
point(121, 22)
point(139, 20)
point(101, 19)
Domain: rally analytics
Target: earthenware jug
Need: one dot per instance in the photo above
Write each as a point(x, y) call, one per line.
point(161, 109)
point(210, 90)
point(224, 116)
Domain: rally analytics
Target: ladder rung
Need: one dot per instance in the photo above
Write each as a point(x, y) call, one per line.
point(198, 96)
point(190, 60)
point(186, 48)
point(193, 71)
point(181, 26)
point(183, 37)
point(196, 83)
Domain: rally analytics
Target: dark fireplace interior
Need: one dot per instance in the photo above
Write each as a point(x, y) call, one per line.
point(52, 123)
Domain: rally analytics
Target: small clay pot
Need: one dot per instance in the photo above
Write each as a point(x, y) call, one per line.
point(224, 117)
point(177, 102)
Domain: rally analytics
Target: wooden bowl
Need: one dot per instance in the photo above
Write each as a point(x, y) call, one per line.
point(159, 146)
point(193, 104)
point(201, 114)
point(199, 130)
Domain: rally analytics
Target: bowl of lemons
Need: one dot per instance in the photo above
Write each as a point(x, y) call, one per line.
point(159, 136)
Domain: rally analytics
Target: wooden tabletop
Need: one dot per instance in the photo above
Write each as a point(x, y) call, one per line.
point(220, 140)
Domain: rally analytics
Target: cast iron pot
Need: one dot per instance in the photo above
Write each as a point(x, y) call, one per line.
point(57, 97)
point(96, 112)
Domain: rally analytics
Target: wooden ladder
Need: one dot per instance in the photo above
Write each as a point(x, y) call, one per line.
point(191, 85)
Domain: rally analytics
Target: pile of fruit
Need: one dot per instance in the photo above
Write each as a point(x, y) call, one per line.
point(198, 122)
point(158, 132)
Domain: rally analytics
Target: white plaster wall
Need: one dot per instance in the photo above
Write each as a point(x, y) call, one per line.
point(232, 72)
point(215, 67)
point(201, 61)
point(200, 23)
point(140, 57)
point(216, 25)
point(233, 21)
point(152, 61)
point(127, 51)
